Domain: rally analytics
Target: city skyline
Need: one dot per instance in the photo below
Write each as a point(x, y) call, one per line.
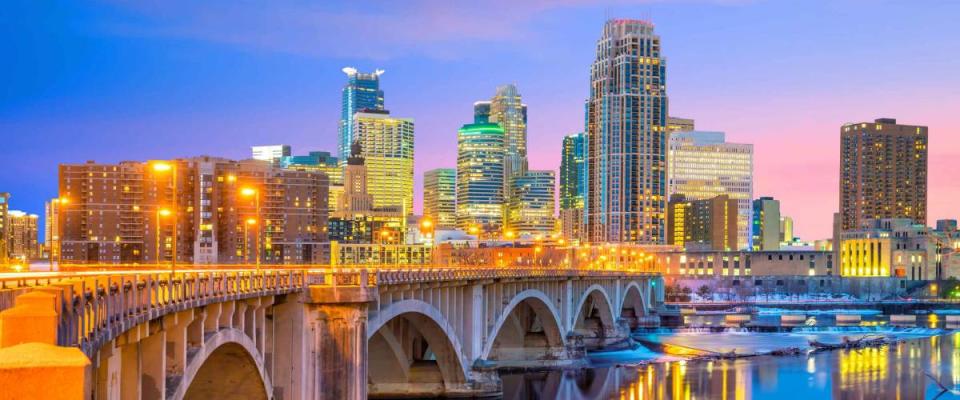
point(164, 117)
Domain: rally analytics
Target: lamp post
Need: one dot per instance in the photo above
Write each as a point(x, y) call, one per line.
point(251, 192)
point(161, 212)
point(163, 167)
point(248, 222)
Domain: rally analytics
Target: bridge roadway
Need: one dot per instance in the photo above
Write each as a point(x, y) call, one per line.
point(316, 333)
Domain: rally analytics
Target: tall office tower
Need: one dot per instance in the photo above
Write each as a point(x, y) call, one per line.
point(883, 172)
point(626, 131)
point(51, 224)
point(573, 185)
point(440, 197)
point(507, 109)
point(766, 224)
point(356, 219)
point(114, 213)
point(4, 226)
point(22, 240)
point(677, 124)
point(272, 153)
point(480, 200)
point(362, 92)
point(319, 161)
point(387, 150)
point(702, 165)
point(708, 224)
point(530, 208)
point(786, 229)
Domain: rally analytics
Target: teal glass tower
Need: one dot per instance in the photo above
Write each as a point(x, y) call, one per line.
point(362, 92)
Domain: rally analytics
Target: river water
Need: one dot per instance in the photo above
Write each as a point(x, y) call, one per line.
point(906, 370)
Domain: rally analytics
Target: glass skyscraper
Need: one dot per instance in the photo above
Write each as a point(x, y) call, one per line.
point(626, 135)
point(440, 197)
point(573, 171)
point(362, 92)
point(480, 200)
point(530, 208)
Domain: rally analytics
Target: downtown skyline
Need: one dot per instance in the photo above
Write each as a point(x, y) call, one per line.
point(765, 102)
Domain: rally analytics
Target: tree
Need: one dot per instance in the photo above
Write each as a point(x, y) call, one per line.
point(704, 292)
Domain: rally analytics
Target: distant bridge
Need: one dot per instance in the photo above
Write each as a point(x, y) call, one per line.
point(335, 334)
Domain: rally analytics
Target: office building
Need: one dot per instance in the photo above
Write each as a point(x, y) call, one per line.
point(676, 124)
point(626, 135)
point(387, 145)
point(702, 165)
point(23, 235)
point(883, 172)
point(786, 229)
point(896, 247)
point(709, 224)
point(201, 210)
point(440, 197)
point(357, 219)
point(319, 161)
point(573, 185)
point(271, 153)
point(361, 93)
point(530, 210)
point(480, 197)
point(766, 224)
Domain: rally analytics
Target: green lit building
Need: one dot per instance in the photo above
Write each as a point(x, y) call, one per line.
point(480, 177)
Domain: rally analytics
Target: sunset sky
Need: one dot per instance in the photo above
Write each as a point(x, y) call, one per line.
point(123, 80)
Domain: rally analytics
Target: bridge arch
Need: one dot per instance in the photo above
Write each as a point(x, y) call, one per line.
point(419, 349)
point(523, 313)
point(595, 316)
point(634, 304)
point(228, 365)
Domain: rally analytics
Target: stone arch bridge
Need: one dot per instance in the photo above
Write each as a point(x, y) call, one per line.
point(334, 334)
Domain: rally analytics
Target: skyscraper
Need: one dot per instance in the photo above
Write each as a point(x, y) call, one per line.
point(702, 165)
point(480, 200)
point(766, 224)
point(387, 148)
point(707, 224)
point(626, 131)
point(573, 185)
point(531, 205)
point(440, 197)
point(22, 240)
point(883, 172)
point(362, 92)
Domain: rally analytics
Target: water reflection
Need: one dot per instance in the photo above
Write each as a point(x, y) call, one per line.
point(898, 371)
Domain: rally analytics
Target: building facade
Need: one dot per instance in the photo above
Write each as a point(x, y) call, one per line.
point(893, 247)
point(480, 189)
point(766, 224)
point(440, 197)
point(270, 153)
point(530, 210)
point(703, 165)
point(626, 131)
point(4, 226)
point(883, 172)
point(749, 263)
point(677, 124)
point(387, 145)
point(709, 224)
point(22, 241)
point(319, 161)
point(200, 210)
point(573, 185)
point(361, 92)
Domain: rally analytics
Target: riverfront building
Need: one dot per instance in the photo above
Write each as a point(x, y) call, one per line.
point(894, 247)
point(201, 210)
point(626, 135)
point(440, 197)
point(480, 177)
point(573, 185)
point(530, 210)
point(883, 172)
point(387, 150)
point(703, 165)
point(362, 92)
point(766, 224)
point(749, 263)
point(709, 224)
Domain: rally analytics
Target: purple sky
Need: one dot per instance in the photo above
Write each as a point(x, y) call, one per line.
point(124, 80)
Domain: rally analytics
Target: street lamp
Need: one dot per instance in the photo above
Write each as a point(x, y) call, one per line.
point(249, 222)
point(161, 212)
point(251, 192)
point(162, 167)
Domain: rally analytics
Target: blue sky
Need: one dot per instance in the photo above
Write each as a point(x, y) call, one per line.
point(123, 80)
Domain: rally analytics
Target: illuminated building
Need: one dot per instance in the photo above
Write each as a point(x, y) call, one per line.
point(23, 234)
point(480, 197)
point(114, 213)
point(702, 165)
point(786, 230)
point(319, 161)
point(716, 263)
point(573, 185)
point(893, 247)
point(507, 109)
point(530, 210)
point(356, 219)
point(387, 145)
point(271, 153)
point(883, 172)
point(709, 224)
point(440, 197)
point(677, 124)
point(362, 92)
point(766, 224)
point(626, 135)
point(51, 225)
point(4, 226)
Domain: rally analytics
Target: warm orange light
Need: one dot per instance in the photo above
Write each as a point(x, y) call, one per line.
point(163, 212)
point(231, 178)
point(384, 233)
point(426, 223)
point(509, 234)
point(162, 167)
point(251, 221)
point(64, 200)
point(248, 191)
point(474, 229)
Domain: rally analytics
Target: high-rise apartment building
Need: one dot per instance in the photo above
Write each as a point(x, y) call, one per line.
point(573, 185)
point(677, 124)
point(440, 197)
point(198, 210)
point(361, 93)
point(626, 131)
point(530, 210)
point(883, 172)
point(703, 165)
point(22, 240)
point(707, 224)
point(319, 161)
point(271, 153)
point(766, 224)
point(387, 150)
point(480, 197)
